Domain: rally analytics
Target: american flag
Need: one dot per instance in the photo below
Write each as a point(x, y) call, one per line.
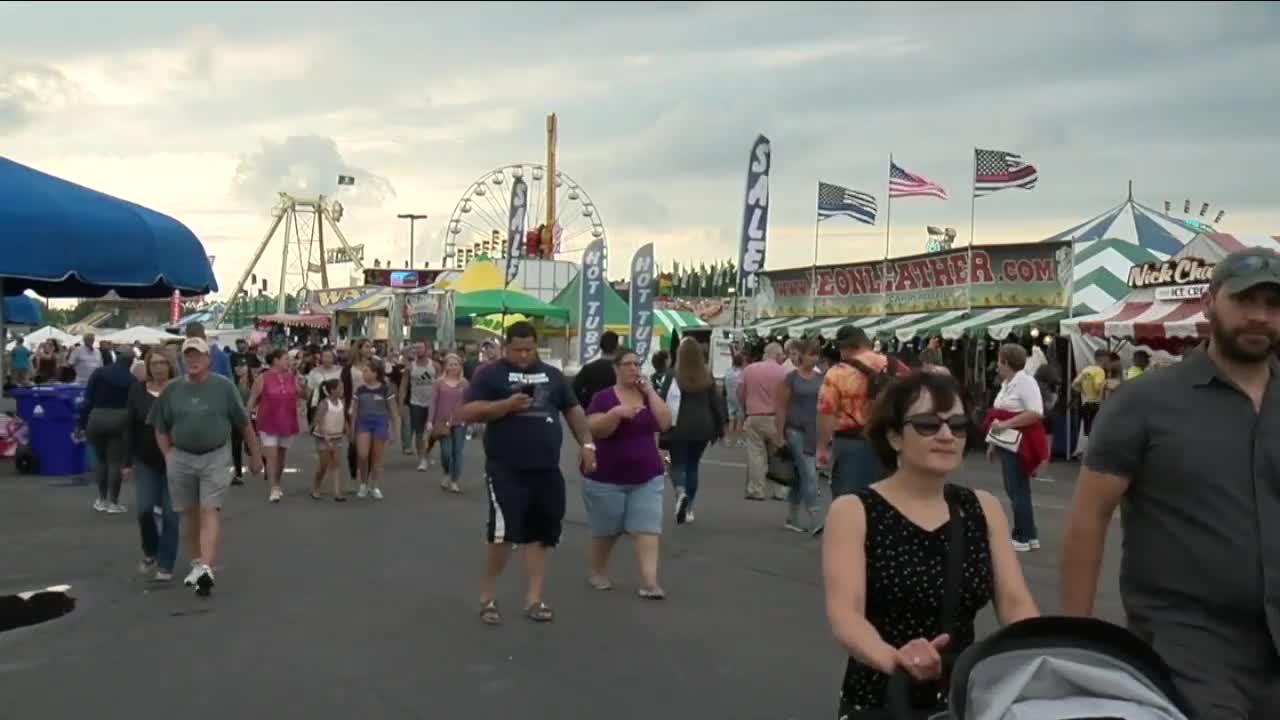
point(835, 200)
point(999, 170)
point(905, 184)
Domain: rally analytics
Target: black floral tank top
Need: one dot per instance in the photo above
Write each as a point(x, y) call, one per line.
point(906, 568)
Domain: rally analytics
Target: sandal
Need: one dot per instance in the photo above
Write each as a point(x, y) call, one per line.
point(599, 582)
point(652, 594)
point(489, 614)
point(539, 612)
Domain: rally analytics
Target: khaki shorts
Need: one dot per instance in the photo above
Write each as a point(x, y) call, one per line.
point(198, 480)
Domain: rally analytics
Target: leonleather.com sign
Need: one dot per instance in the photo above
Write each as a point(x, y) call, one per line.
point(1175, 271)
point(1021, 275)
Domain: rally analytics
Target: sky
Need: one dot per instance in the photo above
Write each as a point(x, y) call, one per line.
point(205, 111)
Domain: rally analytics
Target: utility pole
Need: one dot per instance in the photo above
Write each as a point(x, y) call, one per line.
point(412, 218)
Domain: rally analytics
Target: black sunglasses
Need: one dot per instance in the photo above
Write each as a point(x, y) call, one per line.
point(929, 425)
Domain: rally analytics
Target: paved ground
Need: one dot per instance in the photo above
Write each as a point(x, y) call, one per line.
point(367, 610)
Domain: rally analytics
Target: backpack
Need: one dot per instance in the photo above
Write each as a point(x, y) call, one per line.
point(877, 380)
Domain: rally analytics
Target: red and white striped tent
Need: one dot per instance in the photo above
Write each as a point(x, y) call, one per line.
point(1142, 316)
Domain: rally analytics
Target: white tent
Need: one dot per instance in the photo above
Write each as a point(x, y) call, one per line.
point(48, 332)
point(140, 334)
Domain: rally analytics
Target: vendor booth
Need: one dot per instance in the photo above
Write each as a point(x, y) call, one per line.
point(1014, 286)
point(1165, 300)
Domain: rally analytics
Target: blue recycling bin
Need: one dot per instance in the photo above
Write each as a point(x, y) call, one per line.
point(51, 413)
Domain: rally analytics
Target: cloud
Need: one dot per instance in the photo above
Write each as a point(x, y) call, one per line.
point(658, 105)
point(305, 165)
point(28, 91)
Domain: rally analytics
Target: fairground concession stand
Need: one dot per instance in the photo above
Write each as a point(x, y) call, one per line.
point(1015, 287)
point(1164, 311)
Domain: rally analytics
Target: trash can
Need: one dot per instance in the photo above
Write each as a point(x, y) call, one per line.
point(51, 413)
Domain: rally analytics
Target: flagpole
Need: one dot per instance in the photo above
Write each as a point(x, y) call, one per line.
point(888, 220)
point(813, 274)
point(973, 208)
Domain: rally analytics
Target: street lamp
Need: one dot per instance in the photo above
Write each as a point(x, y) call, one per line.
point(412, 218)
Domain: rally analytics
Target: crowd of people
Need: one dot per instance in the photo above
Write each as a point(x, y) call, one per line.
point(1189, 449)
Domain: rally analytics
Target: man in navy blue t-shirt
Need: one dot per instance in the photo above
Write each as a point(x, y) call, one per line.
point(520, 399)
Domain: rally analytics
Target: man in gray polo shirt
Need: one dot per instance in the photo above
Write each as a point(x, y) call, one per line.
point(1193, 451)
point(194, 418)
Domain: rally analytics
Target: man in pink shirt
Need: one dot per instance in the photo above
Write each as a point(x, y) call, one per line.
point(759, 383)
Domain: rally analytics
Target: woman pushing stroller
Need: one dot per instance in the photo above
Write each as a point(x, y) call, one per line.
point(887, 551)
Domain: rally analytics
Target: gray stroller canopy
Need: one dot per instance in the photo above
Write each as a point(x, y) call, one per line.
point(1055, 668)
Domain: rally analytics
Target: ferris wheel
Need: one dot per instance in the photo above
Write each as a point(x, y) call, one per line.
point(478, 223)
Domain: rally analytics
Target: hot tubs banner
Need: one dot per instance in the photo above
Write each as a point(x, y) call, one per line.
point(1020, 275)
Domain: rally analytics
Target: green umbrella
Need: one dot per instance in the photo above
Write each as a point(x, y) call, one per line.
point(498, 301)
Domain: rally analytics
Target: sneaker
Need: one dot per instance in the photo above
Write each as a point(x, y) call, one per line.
point(116, 509)
point(100, 505)
point(682, 507)
point(162, 577)
point(453, 488)
point(204, 581)
point(1020, 546)
point(1033, 544)
point(276, 495)
point(688, 516)
point(146, 566)
point(363, 492)
point(377, 493)
point(444, 483)
point(196, 568)
point(423, 466)
point(796, 526)
point(237, 480)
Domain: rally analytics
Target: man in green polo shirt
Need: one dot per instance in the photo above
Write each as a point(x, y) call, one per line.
point(194, 418)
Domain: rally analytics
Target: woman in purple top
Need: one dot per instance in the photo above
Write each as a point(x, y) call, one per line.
point(624, 494)
point(446, 425)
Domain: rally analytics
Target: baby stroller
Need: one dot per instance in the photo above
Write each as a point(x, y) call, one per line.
point(1056, 668)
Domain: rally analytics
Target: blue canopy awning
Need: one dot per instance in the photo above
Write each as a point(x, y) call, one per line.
point(22, 310)
point(60, 239)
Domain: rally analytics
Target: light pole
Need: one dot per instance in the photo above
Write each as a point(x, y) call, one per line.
point(412, 218)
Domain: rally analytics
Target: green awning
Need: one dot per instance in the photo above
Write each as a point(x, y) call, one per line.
point(678, 320)
point(496, 302)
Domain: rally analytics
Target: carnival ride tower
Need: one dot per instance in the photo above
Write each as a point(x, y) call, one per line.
point(303, 259)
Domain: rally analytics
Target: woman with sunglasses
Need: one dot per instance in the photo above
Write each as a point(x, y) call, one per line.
point(885, 550)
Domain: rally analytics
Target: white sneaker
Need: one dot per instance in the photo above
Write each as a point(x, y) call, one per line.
point(276, 495)
point(197, 568)
point(377, 493)
point(204, 581)
point(1020, 546)
point(1033, 544)
point(116, 509)
point(423, 466)
point(100, 505)
point(688, 517)
point(363, 492)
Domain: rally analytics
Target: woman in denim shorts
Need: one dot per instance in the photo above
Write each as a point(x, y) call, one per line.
point(624, 494)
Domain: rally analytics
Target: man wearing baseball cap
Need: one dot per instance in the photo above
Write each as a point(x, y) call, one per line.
point(194, 418)
point(1194, 452)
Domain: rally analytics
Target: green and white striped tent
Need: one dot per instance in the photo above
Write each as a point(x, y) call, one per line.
point(999, 323)
point(669, 322)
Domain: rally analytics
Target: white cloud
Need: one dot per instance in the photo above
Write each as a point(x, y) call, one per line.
point(207, 114)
